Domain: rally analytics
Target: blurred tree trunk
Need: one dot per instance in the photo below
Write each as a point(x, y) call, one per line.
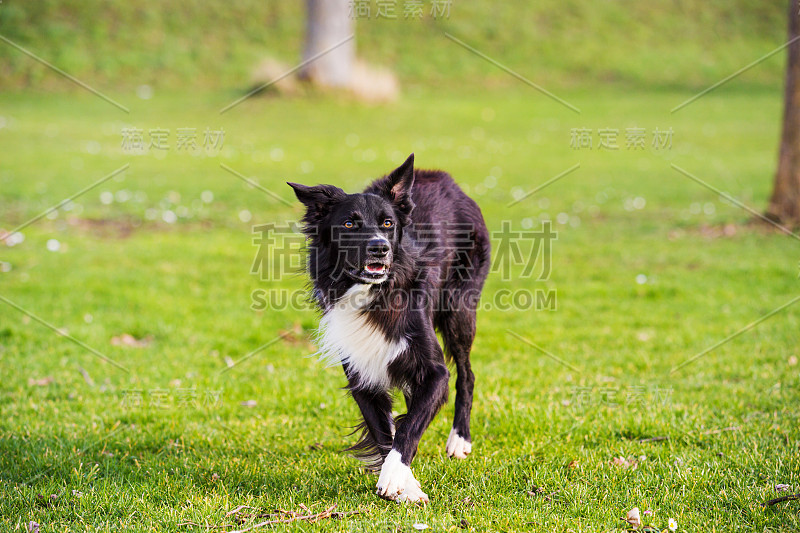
point(784, 205)
point(329, 22)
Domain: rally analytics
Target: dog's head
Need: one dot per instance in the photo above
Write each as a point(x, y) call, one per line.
point(357, 236)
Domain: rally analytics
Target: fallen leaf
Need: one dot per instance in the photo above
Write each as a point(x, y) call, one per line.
point(573, 464)
point(249, 403)
point(624, 462)
point(41, 382)
point(129, 340)
point(793, 360)
point(293, 336)
point(634, 518)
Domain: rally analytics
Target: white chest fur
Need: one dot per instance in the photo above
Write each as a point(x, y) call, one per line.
point(345, 336)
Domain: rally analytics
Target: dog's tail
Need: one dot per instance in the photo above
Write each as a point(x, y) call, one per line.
point(367, 450)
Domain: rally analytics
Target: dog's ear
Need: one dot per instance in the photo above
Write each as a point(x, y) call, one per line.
point(317, 199)
point(397, 186)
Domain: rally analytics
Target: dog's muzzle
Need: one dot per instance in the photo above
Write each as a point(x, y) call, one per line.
point(378, 261)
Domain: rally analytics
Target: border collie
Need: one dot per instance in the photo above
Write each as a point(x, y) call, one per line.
point(389, 267)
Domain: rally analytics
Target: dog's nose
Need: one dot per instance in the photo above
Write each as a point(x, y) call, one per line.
point(378, 247)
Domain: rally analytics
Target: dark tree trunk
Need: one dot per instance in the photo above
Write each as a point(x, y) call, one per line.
point(329, 22)
point(784, 206)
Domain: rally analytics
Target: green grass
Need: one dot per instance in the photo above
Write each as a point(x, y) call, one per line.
point(187, 286)
point(554, 42)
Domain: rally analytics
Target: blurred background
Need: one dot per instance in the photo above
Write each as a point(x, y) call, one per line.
point(208, 45)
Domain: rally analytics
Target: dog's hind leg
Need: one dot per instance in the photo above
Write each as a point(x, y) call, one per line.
point(456, 319)
point(458, 332)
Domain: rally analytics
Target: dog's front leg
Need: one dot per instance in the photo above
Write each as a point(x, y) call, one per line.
point(376, 409)
point(396, 481)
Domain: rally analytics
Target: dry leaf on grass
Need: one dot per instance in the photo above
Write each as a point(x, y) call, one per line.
point(41, 382)
point(129, 340)
point(296, 336)
point(625, 462)
point(634, 518)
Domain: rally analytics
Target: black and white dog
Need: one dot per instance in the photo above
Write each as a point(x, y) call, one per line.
point(389, 267)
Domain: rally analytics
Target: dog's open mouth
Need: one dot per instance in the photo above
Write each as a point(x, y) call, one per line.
point(376, 268)
point(374, 272)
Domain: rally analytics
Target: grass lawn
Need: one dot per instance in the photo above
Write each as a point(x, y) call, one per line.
point(649, 269)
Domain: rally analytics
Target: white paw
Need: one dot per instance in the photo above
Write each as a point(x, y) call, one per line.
point(397, 483)
point(457, 446)
point(412, 494)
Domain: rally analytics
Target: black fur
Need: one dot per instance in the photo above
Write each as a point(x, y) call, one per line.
point(435, 265)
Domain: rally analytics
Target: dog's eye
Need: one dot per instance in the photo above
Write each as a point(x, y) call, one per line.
point(349, 224)
point(388, 223)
